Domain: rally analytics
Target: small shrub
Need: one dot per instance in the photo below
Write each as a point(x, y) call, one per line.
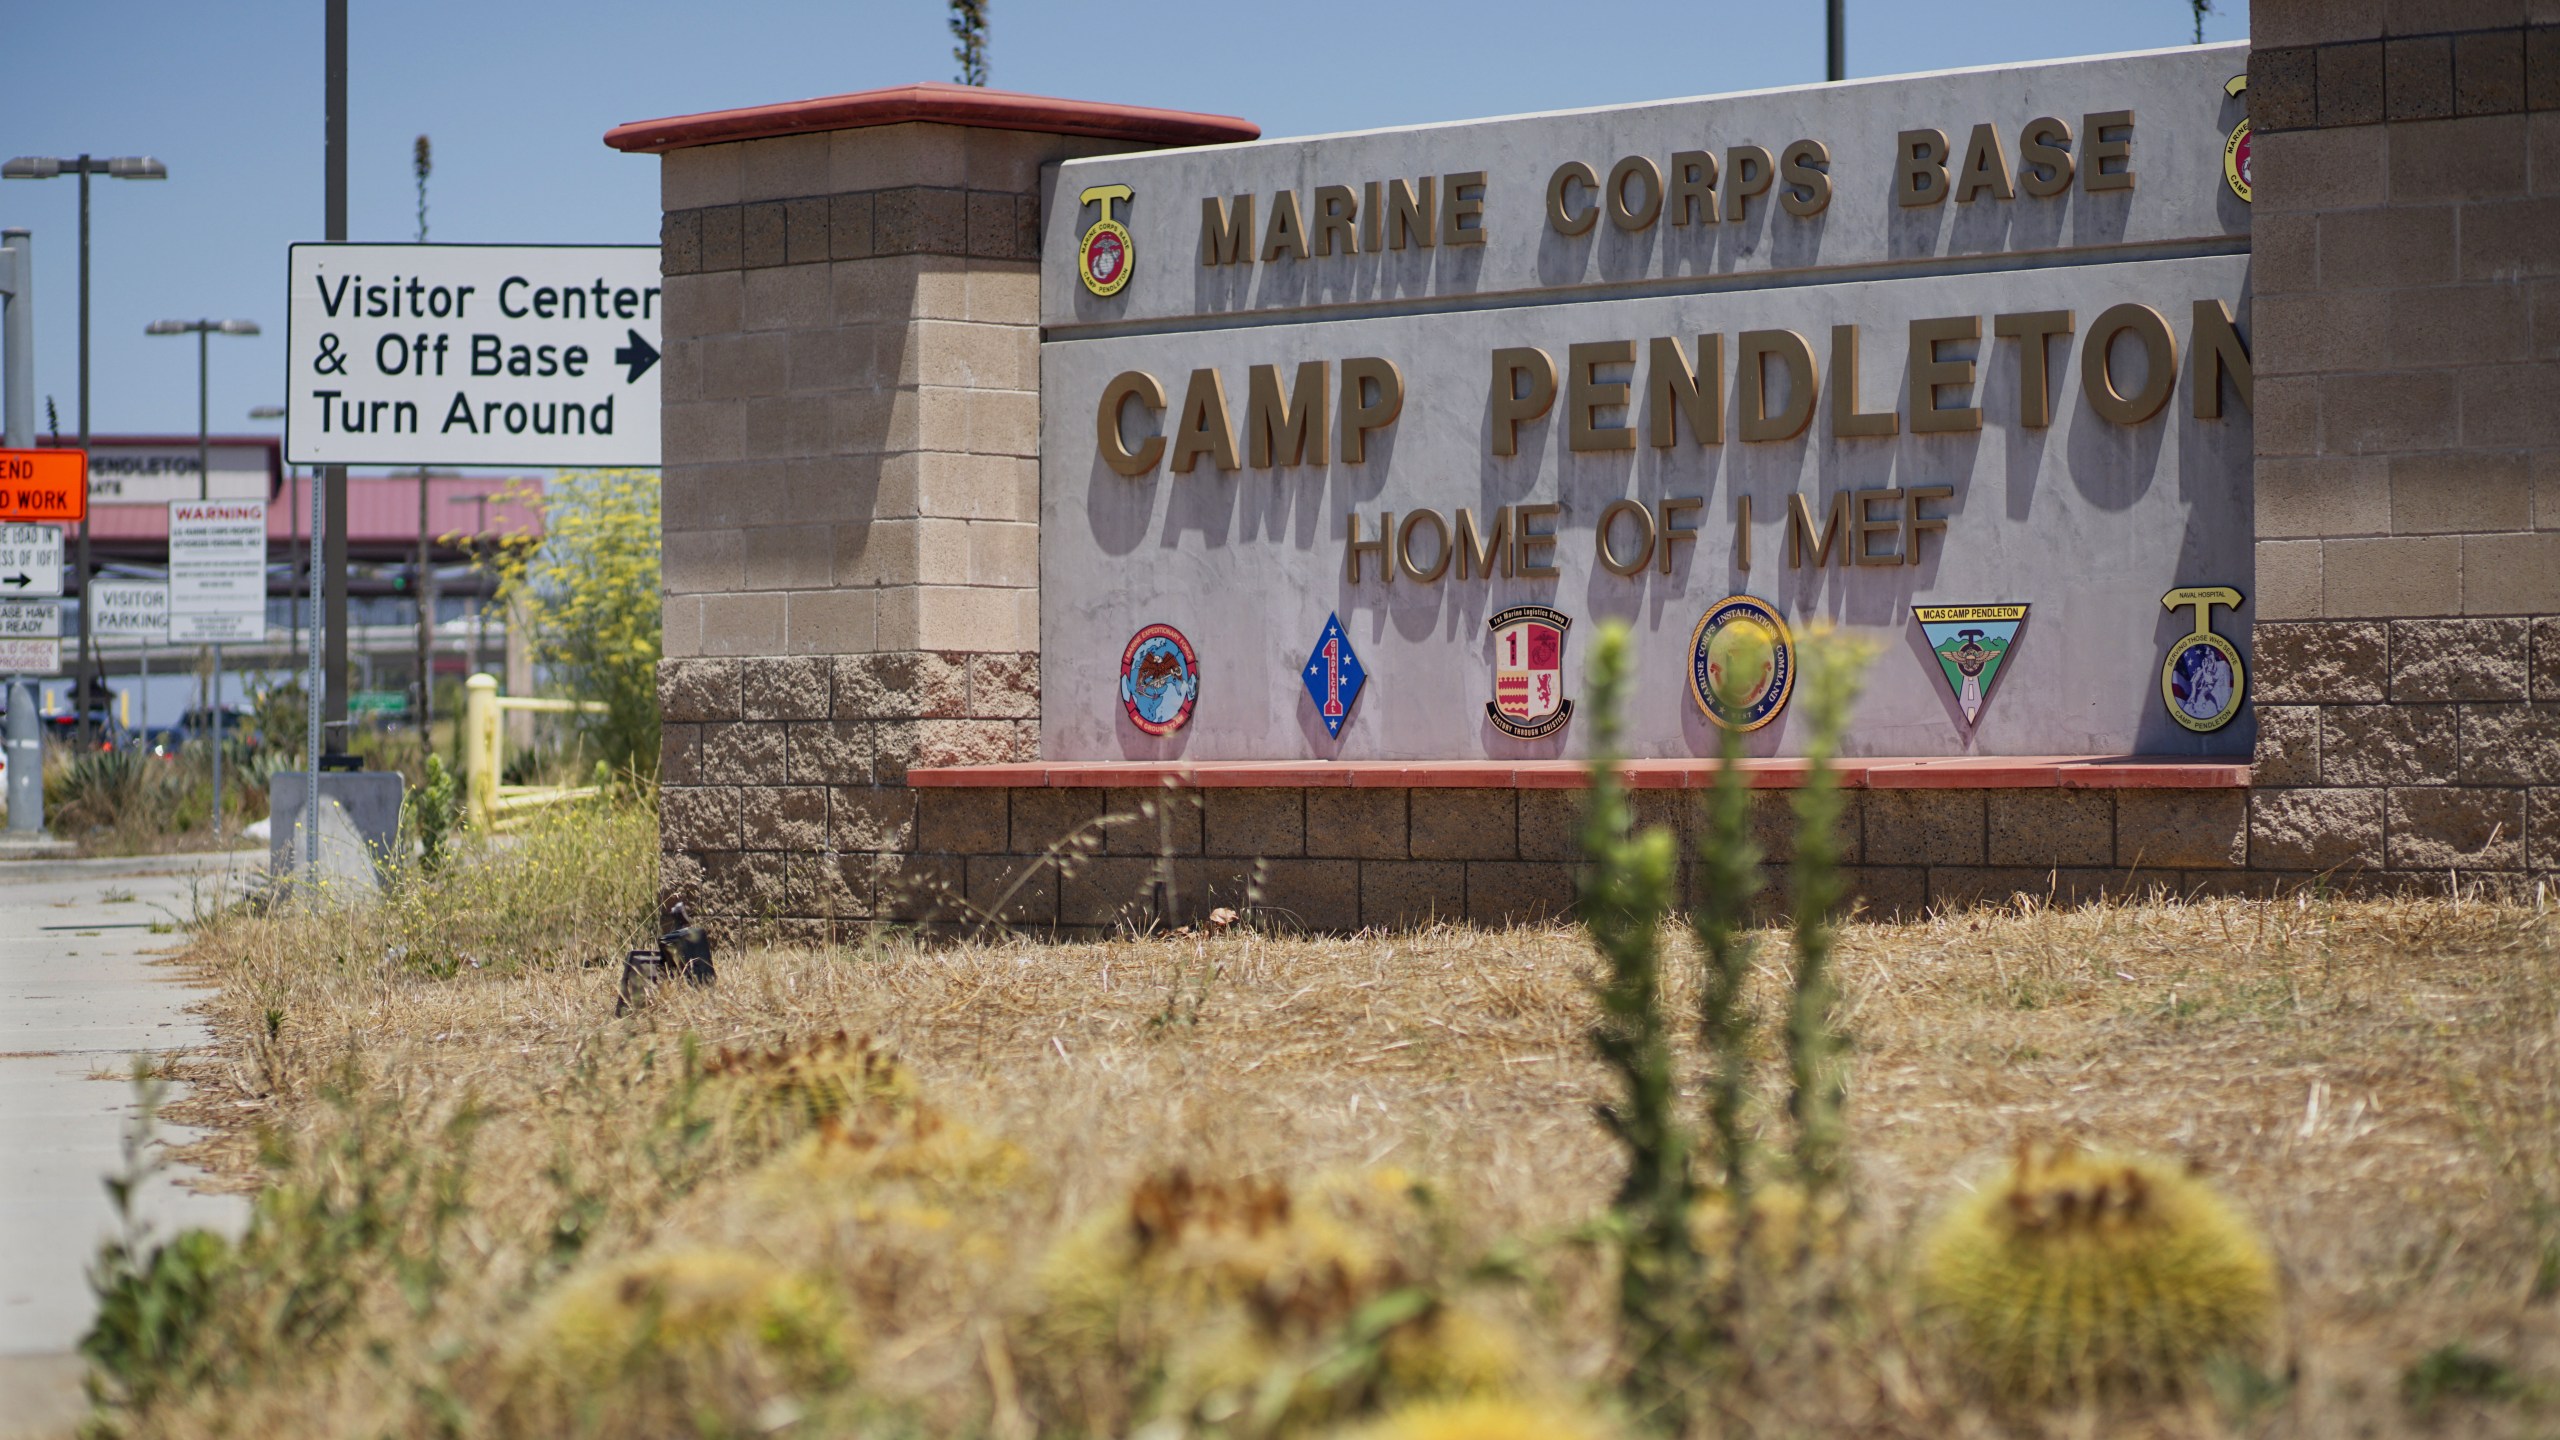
point(707, 1342)
point(433, 812)
point(2454, 1371)
point(2084, 1273)
point(776, 1095)
point(1484, 1418)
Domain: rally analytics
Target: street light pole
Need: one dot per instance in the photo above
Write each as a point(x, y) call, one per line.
point(204, 330)
point(121, 167)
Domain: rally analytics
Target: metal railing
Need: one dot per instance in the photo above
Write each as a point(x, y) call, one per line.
point(492, 803)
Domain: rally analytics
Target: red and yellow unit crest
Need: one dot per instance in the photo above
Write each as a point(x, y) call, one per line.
point(2235, 151)
point(1528, 672)
point(1107, 256)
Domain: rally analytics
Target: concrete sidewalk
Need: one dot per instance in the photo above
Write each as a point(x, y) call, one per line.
point(80, 994)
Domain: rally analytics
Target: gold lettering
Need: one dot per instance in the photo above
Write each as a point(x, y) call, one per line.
point(2031, 328)
point(1128, 385)
point(1360, 414)
point(1588, 394)
point(1287, 233)
point(1610, 559)
point(1477, 553)
point(1673, 532)
point(1354, 547)
point(2160, 360)
point(1281, 429)
point(1204, 428)
point(1457, 208)
point(1800, 534)
point(1693, 187)
point(1512, 407)
point(1524, 539)
point(1409, 212)
point(2094, 175)
point(1648, 180)
point(1747, 172)
point(1805, 169)
point(1561, 216)
point(1672, 390)
point(2214, 349)
point(1920, 168)
point(1226, 236)
point(1337, 212)
point(1928, 373)
point(1371, 214)
point(1861, 551)
point(1845, 417)
point(2044, 157)
point(1742, 531)
point(1794, 356)
point(1913, 522)
point(1404, 546)
point(1986, 167)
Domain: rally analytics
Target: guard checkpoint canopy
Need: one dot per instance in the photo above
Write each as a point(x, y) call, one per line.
point(44, 485)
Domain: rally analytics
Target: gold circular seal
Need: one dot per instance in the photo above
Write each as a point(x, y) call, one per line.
point(1741, 654)
point(2203, 680)
point(1107, 258)
point(2235, 161)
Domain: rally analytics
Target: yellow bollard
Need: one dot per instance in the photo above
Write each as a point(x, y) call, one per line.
point(482, 753)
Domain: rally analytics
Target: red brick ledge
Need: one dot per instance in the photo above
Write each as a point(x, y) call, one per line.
point(939, 104)
point(2035, 772)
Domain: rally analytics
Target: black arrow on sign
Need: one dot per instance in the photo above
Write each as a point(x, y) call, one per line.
point(639, 355)
point(22, 580)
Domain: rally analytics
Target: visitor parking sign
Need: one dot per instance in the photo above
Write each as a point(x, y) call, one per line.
point(508, 355)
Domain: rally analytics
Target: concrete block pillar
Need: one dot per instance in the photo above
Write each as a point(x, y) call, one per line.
point(851, 475)
point(2406, 226)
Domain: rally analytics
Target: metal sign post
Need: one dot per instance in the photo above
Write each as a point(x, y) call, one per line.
point(217, 591)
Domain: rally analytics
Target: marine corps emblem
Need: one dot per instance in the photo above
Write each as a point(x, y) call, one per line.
point(2235, 151)
point(1159, 680)
point(1334, 676)
point(2203, 680)
point(1742, 663)
point(1528, 672)
point(1107, 256)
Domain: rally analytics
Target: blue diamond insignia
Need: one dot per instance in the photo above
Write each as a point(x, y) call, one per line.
point(1334, 676)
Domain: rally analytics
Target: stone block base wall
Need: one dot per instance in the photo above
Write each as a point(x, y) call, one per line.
point(2409, 748)
point(819, 863)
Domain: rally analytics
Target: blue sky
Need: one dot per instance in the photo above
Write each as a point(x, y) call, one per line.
point(517, 97)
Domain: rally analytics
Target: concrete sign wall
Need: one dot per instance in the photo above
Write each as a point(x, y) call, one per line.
point(1948, 341)
point(158, 474)
point(473, 355)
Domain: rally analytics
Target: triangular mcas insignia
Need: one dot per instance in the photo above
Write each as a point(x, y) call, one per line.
point(1970, 643)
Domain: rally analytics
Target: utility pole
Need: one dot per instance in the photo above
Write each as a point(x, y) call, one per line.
point(17, 424)
point(332, 490)
point(426, 587)
point(1836, 65)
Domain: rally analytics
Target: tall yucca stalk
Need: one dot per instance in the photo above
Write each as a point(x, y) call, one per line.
point(1728, 881)
point(1626, 889)
point(1832, 670)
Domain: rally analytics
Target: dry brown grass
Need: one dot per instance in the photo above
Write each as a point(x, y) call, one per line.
point(2377, 1082)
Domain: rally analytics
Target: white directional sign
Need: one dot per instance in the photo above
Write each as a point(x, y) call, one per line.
point(473, 355)
point(217, 571)
point(30, 637)
point(30, 561)
point(130, 607)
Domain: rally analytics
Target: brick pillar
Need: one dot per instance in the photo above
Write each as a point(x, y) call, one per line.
point(851, 477)
point(2407, 346)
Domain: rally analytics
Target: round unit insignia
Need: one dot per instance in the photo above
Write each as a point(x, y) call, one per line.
point(1108, 256)
point(1742, 663)
point(2235, 151)
point(2203, 681)
point(1159, 680)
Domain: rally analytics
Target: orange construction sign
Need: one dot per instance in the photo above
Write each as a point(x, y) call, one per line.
point(46, 485)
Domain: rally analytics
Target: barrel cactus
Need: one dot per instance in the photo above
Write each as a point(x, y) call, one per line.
point(2082, 1273)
